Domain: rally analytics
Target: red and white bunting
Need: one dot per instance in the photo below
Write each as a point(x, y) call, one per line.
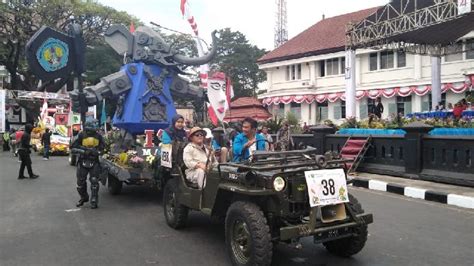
point(360, 94)
point(374, 94)
point(299, 98)
point(404, 91)
point(389, 93)
point(320, 98)
point(420, 90)
point(333, 97)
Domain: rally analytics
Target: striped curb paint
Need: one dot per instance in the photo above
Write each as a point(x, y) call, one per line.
point(415, 192)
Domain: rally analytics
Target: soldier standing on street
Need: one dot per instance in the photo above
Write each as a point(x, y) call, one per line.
point(24, 153)
point(89, 144)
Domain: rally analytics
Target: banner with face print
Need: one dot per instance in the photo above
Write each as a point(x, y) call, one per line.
point(216, 92)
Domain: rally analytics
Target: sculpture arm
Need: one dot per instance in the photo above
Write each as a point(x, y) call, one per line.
point(110, 86)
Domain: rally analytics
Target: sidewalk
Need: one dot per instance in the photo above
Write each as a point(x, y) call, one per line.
point(438, 192)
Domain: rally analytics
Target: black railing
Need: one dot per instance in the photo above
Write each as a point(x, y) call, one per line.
point(445, 159)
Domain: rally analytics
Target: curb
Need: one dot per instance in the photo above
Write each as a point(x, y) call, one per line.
point(414, 192)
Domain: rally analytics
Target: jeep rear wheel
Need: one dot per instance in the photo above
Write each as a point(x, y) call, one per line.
point(114, 185)
point(247, 235)
point(347, 247)
point(175, 214)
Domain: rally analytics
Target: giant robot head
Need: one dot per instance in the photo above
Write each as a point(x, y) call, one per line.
point(146, 45)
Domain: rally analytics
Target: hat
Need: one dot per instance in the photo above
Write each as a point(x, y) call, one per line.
point(195, 130)
point(208, 133)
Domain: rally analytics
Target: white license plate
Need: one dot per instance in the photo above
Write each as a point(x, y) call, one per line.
point(326, 187)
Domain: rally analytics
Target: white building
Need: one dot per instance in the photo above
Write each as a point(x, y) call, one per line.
point(306, 75)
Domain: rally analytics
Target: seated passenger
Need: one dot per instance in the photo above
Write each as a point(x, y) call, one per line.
point(175, 132)
point(219, 144)
point(197, 158)
point(247, 142)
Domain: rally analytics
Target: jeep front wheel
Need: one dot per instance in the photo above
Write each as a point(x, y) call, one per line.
point(114, 185)
point(247, 235)
point(347, 247)
point(175, 214)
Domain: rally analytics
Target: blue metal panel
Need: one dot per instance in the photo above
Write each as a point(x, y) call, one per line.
point(132, 116)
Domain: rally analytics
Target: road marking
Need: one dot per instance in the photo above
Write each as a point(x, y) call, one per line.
point(377, 185)
point(414, 192)
point(72, 210)
point(431, 203)
point(461, 201)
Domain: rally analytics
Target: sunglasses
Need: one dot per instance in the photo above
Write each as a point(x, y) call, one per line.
point(199, 135)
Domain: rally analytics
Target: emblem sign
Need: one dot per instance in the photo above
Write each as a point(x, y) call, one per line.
point(53, 55)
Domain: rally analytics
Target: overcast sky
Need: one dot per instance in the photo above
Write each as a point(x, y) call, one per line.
point(254, 18)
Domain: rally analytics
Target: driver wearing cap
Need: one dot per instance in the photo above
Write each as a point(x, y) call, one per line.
point(197, 158)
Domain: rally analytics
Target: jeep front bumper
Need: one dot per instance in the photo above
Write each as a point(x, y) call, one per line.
point(323, 232)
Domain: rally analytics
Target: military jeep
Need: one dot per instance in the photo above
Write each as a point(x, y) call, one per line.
point(269, 200)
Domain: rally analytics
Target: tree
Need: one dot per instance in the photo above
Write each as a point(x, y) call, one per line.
point(237, 58)
point(20, 19)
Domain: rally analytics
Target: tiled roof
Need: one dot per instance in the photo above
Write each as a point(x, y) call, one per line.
point(245, 102)
point(246, 107)
point(326, 36)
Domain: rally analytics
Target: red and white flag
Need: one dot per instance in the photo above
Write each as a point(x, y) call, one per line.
point(44, 109)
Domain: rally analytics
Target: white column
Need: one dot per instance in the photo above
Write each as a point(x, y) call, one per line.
point(350, 83)
point(312, 73)
point(417, 102)
point(435, 81)
point(417, 66)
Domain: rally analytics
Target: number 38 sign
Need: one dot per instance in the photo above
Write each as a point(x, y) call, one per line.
point(166, 152)
point(326, 187)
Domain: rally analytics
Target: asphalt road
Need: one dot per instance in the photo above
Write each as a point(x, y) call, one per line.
point(40, 225)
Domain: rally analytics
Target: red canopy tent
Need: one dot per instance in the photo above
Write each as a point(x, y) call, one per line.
point(246, 107)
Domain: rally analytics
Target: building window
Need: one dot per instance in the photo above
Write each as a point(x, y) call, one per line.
point(454, 52)
point(404, 105)
point(386, 59)
point(322, 111)
point(370, 105)
point(332, 66)
point(373, 61)
point(401, 59)
point(296, 110)
point(343, 109)
point(322, 68)
point(443, 100)
point(335, 66)
point(470, 49)
point(343, 65)
point(281, 110)
point(293, 72)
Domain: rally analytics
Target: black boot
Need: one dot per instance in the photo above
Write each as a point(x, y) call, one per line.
point(34, 176)
point(81, 202)
point(94, 204)
point(21, 177)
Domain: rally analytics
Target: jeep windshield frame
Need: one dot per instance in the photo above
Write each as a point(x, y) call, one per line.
point(267, 161)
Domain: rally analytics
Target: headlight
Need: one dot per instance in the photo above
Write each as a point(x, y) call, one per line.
point(279, 183)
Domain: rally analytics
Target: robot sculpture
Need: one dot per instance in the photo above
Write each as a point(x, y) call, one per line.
point(145, 87)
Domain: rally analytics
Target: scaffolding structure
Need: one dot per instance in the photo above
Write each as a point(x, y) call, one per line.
point(281, 27)
point(427, 27)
